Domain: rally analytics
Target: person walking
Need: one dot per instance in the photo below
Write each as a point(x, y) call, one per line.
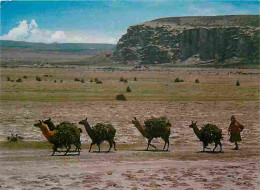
point(234, 130)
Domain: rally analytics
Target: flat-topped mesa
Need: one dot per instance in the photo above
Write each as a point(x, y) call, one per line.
point(179, 40)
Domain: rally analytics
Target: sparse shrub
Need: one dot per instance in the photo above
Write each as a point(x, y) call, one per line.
point(61, 80)
point(19, 80)
point(135, 79)
point(197, 81)
point(25, 77)
point(238, 83)
point(121, 97)
point(128, 89)
point(12, 80)
point(91, 80)
point(121, 79)
point(96, 80)
point(55, 81)
point(178, 80)
point(15, 138)
point(82, 81)
point(99, 82)
point(125, 81)
point(76, 79)
point(8, 78)
point(38, 78)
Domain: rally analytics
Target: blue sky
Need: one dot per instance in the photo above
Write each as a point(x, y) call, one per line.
point(100, 21)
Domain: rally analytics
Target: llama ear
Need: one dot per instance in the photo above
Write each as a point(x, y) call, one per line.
point(196, 122)
point(86, 118)
point(49, 118)
point(135, 118)
point(191, 122)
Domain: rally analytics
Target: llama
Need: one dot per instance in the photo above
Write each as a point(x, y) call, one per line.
point(99, 133)
point(163, 132)
point(208, 134)
point(59, 138)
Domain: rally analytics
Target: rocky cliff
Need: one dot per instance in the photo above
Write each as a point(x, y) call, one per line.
point(194, 39)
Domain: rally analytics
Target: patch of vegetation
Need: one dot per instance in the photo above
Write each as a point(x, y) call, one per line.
point(82, 81)
point(197, 81)
point(8, 78)
point(121, 97)
point(38, 78)
point(238, 83)
point(25, 77)
point(61, 80)
point(135, 79)
point(121, 79)
point(19, 80)
point(77, 79)
point(125, 81)
point(96, 80)
point(128, 89)
point(178, 80)
point(91, 80)
point(14, 138)
point(99, 82)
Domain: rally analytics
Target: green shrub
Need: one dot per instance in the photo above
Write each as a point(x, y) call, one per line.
point(125, 81)
point(76, 79)
point(238, 83)
point(55, 81)
point(197, 81)
point(121, 79)
point(19, 80)
point(61, 80)
point(8, 78)
point(121, 97)
point(25, 77)
point(135, 79)
point(91, 80)
point(128, 89)
point(178, 80)
point(15, 138)
point(99, 82)
point(96, 80)
point(38, 78)
point(82, 81)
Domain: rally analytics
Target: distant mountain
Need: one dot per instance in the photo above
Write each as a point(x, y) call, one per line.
point(59, 47)
point(230, 39)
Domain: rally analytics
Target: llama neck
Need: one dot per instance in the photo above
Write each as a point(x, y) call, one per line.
point(140, 128)
point(51, 125)
point(88, 129)
point(197, 131)
point(45, 131)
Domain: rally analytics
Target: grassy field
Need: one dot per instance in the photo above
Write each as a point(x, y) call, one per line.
point(150, 86)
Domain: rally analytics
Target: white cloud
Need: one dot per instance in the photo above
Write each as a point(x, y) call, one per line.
point(32, 33)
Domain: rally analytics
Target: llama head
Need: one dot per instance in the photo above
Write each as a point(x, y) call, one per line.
point(193, 124)
point(47, 121)
point(135, 121)
point(84, 121)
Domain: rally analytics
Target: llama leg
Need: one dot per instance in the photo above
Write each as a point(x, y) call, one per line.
point(91, 146)
point(110, 146)
point(216, 144)
point(54, 148)
point(98, 147)
point(68, 149)
point(168, 142)
point(220, 146)
point(149, 141)
point(164, 144)
point(114, 145)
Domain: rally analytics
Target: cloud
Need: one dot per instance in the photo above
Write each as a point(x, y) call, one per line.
point(30, 32)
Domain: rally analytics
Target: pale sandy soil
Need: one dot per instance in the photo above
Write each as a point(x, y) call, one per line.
point(183, 167)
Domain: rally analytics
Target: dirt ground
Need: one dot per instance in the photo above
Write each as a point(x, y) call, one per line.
point(183, 167)
point(130, 167)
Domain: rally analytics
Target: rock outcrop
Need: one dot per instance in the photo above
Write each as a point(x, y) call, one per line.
point(177, 39)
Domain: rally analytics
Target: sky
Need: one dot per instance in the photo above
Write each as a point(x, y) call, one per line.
point(101, 21)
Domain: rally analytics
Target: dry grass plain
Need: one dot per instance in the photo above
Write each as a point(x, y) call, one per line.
point(155, 93)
